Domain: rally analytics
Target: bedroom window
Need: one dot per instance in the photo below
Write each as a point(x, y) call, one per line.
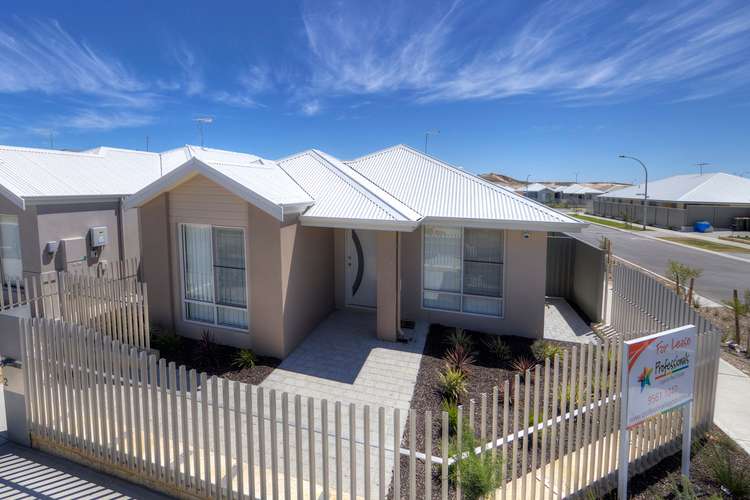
point(463, 270)
point(213, 266)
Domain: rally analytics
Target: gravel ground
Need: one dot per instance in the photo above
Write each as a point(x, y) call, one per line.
point(724, 319)
point(486, 373)
point(660, 480)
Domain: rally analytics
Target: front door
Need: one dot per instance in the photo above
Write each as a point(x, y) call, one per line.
point(361, 271)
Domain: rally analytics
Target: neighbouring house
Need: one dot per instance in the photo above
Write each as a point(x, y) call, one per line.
point(259, 251)
point(60, 209)
point(578, 196)
point(680, 201)
point(538, 191)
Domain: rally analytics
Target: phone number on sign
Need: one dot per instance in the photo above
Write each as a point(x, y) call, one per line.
point(664, 393)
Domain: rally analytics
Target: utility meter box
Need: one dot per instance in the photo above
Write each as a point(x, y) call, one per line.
point(99, 236)
point(71, 252)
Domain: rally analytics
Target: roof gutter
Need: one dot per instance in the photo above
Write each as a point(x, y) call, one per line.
point(564, 227)
point(364, 224)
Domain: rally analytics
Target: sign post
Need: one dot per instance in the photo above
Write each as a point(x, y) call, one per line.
point(656, 377)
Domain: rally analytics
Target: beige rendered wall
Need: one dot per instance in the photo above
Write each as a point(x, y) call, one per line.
point(307, 279)
point(388, 314)
point(525, 274)
point(73, 220)
point(156, 268)
point(201, 201)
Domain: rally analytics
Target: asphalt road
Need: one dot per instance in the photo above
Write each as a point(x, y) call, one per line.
point(720, 274)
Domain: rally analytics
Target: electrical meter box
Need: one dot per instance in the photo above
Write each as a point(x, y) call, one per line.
point(99, 236)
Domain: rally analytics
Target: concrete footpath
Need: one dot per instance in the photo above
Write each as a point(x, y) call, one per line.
point(732, 413)
point(29, 473)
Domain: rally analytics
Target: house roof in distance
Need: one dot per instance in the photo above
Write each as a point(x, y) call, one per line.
point(534, 187)
point(579, 189)
point(714, 187)
point(442, 193)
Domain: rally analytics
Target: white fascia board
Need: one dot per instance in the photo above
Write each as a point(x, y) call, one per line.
point(564, 227)
point(364, 224)
point(194, 167)
point(13, 197)
point(55, 200)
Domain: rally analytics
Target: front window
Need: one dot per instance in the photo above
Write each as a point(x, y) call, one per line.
point(213, 263)
point(463, 270)
point(10, 249)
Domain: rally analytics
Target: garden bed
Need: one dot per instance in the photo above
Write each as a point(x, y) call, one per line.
point(484, 374)
point(213, 359)
point(723, 317)
point(662, 480)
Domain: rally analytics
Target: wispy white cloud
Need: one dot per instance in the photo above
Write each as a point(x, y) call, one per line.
point(102, 120)
point(578, 51)
point(311, 108)
point(191, 80)
point(39, 56)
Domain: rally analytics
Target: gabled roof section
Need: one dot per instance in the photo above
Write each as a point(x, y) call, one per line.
point(715, 187)
point(260, 182)
point(534, 187)
point(443, 193)
point(31, 173)
point(579, 189)
point(343, 197)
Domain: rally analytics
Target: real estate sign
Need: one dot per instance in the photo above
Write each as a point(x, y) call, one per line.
point(657, 376)
point(659, 373)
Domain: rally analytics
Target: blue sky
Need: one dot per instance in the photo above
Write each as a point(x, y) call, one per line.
point(547, 89)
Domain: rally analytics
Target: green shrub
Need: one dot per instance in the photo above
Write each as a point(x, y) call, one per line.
point(459, 359)
point(451, 408)
point(166, 342)
point(478, 474)
point(499, 348)
point(541, 349)
point(727, 473)
point(244, 359)
point(452, 384)
point(459, 337)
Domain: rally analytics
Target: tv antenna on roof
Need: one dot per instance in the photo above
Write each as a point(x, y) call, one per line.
point(202, 121)
point(701, 164)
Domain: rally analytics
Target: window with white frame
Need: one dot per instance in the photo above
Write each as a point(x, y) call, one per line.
point(213, 266)
point(10, 249)
point(463, 270)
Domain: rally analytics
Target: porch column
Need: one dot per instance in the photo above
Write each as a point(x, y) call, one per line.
point(389, 297)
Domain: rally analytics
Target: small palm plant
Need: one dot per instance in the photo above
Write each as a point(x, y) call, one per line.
point(459, 337)
point(452, 385)
point(499, 348)
point(245, 359)
point(459, 359)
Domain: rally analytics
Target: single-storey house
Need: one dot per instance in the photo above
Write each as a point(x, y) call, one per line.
point(577, 195)
point(680, 201)
point(259, 252)
point(60, 208)
point(538, 191)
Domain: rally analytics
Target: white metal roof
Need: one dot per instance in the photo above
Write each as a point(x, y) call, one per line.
point(715, 187)
point(579, 189)
point(533, 188)
point(260, 182)
point(343, 197)
point(443, 193)
point(31, 174)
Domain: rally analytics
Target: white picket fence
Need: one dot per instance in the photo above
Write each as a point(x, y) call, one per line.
point(107, 298)
point(115, 407)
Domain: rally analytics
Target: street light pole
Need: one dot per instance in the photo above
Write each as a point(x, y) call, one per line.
point(645, 191)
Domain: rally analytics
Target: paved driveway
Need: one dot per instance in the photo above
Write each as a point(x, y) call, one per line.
point(342, 360)
point(720, 274)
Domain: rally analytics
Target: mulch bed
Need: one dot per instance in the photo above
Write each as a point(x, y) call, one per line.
point(723, 317)
point(219, 361)
point(487, 373)
point(661, 480)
